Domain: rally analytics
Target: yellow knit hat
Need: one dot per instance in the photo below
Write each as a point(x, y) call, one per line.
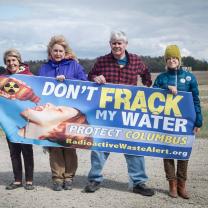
point(172, 51)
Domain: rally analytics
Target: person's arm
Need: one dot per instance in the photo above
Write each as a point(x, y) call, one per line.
point(95, 76)
point(81, 73)
point(157, 82)
point(40, 71)
point(94, 71)
point(145, 75)
point(196, 100)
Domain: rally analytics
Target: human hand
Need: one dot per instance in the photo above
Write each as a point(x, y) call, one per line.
point(60, 78)
point(100, 79)
point(173, 89)
point(196, 130)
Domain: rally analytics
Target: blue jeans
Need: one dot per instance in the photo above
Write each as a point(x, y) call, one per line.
point(135, 165)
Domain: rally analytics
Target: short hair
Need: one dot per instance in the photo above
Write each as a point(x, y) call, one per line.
point(118, 36)
point(12, 52)
point(60, 40)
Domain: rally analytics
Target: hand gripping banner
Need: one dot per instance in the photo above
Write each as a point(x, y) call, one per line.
point(112, 118)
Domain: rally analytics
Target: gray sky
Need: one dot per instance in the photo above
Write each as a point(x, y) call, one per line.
point(149, 24)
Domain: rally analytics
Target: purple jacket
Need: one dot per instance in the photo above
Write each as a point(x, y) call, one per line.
point(69, 68)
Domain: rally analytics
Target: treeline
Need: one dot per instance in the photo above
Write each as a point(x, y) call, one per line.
point(155, 64)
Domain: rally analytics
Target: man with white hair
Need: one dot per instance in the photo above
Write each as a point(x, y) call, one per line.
point(119, 67)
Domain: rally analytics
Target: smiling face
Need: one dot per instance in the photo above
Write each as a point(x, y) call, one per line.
point(12, 64)
point(57, 52)
point(118, 48)
point(172, 63)
point(49, 114)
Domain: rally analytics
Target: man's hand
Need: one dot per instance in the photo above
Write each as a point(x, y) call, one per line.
point(60, 78)
point(100, 79)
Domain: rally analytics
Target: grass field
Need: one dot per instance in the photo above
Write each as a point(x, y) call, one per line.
point(203, 91)
point(204, 130)
point(202, 77)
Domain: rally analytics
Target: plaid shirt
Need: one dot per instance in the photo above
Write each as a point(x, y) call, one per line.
point(108, 67)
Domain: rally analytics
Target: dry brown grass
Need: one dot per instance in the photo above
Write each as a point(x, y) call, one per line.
point(202, 77)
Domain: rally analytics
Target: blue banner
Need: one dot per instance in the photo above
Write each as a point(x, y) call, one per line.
point(113, 118)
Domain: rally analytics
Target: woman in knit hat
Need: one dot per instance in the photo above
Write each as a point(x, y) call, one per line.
point(176, 79)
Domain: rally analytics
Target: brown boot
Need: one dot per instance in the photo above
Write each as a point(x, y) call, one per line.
point(173, 188)
point(181, 187)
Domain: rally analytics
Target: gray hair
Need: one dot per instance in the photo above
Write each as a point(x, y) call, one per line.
point(118, 36)
point(12, 52)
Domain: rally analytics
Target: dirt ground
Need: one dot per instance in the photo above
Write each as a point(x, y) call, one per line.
point(114, 192)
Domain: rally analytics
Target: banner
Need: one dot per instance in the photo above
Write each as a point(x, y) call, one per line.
point(112, 118)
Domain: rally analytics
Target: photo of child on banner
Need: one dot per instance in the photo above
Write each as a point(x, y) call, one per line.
point(42, 126)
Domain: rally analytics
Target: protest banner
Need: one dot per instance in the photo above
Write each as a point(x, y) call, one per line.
point(113, 118)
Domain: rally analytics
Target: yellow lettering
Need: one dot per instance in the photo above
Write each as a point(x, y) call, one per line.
point(184, 140)
point(159, 137)
point(151, 103)
point(139, 102)
point(172, 104)
point(105, 97)
point(122, 96)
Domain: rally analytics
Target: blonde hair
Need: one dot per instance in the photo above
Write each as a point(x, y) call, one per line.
point(12, 52)
point(60, 40)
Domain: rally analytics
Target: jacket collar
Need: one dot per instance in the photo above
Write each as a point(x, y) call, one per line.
point(55, 64)
point(23, 69)
point(173, 71)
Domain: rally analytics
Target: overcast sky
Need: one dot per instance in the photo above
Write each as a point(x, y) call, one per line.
point(149, 24)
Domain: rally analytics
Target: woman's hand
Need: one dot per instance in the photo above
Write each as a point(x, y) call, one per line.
point(173, 89)
point(196, 130)
point(60, 78)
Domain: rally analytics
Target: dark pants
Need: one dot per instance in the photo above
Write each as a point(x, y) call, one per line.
point(15, 153)
point(171, 173)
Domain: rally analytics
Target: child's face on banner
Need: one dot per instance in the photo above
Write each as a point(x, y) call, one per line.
point(49, 114)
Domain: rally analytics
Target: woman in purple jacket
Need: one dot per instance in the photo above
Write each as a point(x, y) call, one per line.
point(62, 64)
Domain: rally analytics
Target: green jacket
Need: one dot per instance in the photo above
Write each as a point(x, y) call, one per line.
point(185, 81)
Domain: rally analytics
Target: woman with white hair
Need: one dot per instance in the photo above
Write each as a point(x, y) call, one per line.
point(13, 61)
